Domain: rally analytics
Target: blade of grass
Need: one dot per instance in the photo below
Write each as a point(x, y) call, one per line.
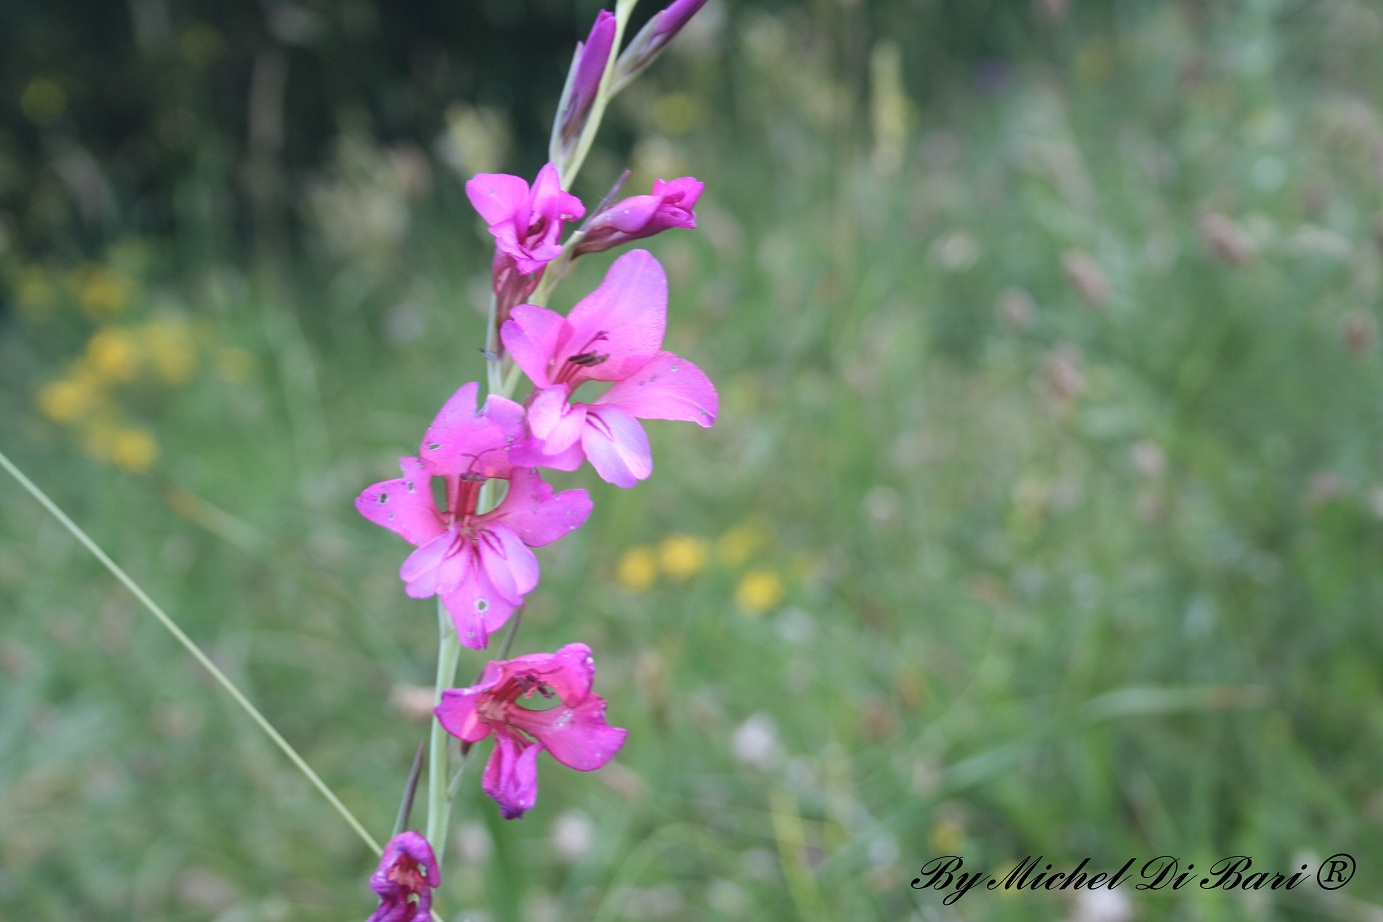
point(193, 649)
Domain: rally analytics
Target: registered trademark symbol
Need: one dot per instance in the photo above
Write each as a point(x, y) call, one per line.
point(1335, 871)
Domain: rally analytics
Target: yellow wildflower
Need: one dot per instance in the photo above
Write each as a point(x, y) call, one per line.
point(682, 556)
point(68, 399)
point(739, 543)
point(638, 569)
point(759, 591)
point(112, 355)
point(170, 348)
point(133, 449)
point(948, 836)
point(102, 293)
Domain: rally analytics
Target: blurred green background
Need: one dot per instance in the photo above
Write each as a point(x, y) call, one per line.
point(1043, 515)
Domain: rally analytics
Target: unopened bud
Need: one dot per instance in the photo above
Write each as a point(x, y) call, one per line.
point(582, 88)
point(652, 38)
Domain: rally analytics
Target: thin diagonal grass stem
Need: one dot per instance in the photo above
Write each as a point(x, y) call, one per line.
point(193, 649)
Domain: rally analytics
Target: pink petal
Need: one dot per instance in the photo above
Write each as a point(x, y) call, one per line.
point(536, 515)
point(624, 318)
point(511, 776)
point(404, 506)
point(529, 453)
point(477, 609)
point(464, 440)
point(630, 215)
point(458, 716)
point(550, 201)
point(554, 421)
point(578, 737)
point(497, 196)
point(680, 196)
point(429, 565)
point(507, 563)
point(532, 336)
point(667, 387)
point(571, 673)
point(530, 259)
point(616, 446)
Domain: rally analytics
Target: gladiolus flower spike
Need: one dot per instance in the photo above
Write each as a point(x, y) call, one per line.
point(574, 731)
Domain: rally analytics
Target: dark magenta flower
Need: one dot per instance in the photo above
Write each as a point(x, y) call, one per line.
point(406, 877)
point(670, 204)
point(614, 334)
point(574, 731)
point(525, 222)
point(480, 563)
point(583, 84)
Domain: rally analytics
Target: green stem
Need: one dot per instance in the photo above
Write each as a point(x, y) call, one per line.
point(195, 650)
point(438, 801)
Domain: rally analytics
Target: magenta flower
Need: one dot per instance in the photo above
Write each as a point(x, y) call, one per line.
point(583, 83)
point(574, 731)
point(525, 222)
point(478, 562)
point(669, 205)
point(615, 334)
point(407, 870)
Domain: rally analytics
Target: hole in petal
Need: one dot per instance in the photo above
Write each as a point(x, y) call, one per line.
point(434, 446)
point(482, 605)
point(383, 498)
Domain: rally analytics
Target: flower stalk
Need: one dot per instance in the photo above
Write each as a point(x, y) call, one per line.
point(438, 799)
point(474, 553)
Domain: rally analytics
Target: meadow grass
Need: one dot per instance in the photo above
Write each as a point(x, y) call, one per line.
point(1042, 517)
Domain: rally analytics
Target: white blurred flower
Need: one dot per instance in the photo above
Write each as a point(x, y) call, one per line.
point(755, 743)
point(1101, 906)
point(573, 835)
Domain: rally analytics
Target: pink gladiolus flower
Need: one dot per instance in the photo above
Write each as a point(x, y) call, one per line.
point(525, 222)
point(669, 205)
point(574, 731)
point(583, 82)
point(478, 562)
point(615, 334)
point(407, 870)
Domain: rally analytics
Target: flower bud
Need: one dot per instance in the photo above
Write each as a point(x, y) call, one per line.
point(583, 86)
point(669, 204)
point(660, 30)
